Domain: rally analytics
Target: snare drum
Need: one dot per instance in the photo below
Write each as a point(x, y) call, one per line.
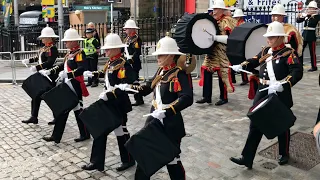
point(245, 42)
point(152, 148)
point(61, 99)
point(36, 84)
point(271, 116)
point(101, 117)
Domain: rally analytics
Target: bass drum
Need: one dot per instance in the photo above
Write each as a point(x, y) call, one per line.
point(245, 42)
point(192, 33)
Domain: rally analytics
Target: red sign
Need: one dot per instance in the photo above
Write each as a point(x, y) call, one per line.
point(190, 6)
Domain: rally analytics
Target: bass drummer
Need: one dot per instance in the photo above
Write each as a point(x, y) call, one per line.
point(278, 64)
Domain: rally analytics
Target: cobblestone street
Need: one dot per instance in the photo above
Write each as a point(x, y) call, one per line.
point(214, 135)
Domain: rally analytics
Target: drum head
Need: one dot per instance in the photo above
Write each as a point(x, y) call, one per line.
point(245, 42)
point(190, 35)
point(255, 42)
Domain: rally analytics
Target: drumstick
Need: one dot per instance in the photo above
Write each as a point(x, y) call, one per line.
point(25, 65)
point(57, 79)
point(147, 115)
point(248, 72)
point(47, 77)
point(269, 87)
point(132, 90)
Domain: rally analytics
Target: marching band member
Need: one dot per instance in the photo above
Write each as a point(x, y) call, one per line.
point(70, 71)
point(218, 60)
point(238, 16)
point(277, 63)
point(172, 93)
point(46, 59)
point(309, 32)
point(134, 49)
point(119, 72)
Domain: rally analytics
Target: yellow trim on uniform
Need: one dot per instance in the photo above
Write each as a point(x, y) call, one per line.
point(73, 74)
point(287, 79)
point(41, 66)
point(114, 93)
point(171, 106)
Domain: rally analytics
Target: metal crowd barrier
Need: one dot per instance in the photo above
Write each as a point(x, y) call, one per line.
point(9, 60)
point(20, 56)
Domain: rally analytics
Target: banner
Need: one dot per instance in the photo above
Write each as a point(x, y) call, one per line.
point(7, 4)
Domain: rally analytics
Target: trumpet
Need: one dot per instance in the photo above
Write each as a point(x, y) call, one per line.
point(306, 11)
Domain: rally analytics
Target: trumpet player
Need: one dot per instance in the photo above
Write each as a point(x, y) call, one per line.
point(311, 19)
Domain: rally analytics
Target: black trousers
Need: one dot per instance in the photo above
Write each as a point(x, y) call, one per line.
point(137, 96)
point(61, 124)
point(244, 77)
point(35, 106)
point(207, 86)
point(175, 169)
point(312, 50)
point(98, 152)
point(93, 66)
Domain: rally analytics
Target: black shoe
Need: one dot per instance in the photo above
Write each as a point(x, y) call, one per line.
point(32, 119)
point(221, 102)
point(312, 69)
point(94, 85)
point(81, 138)
point(204, 100)
point(244, 83)
point(283, 160)
point(125, 166)
point(241, 161)
point(53, 122)
point(138, 103)
point(91, 166)
point(89, 84)
point(50, 139)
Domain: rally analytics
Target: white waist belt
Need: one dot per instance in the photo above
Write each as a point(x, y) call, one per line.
point(309, 28)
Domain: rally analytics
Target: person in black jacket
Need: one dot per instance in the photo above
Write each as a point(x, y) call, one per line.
point(311, 20)
point(71, 72)
point(134, 49)
point(172, 93)
point(117, 73)
point(283, 66)
point(45, 60)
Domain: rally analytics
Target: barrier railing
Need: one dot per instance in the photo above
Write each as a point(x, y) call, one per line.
point(9, 60)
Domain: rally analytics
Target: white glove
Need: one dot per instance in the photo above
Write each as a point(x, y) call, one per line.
point(63, 74)
point(25, 61)
point(123, 87)
point(275, 87)
point(33, 69)
point(158, 114)
point(88, 74)
point(45, 72)
point(236, 68)
point(103, 96)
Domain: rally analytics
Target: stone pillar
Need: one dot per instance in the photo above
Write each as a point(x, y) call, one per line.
point(202, 6)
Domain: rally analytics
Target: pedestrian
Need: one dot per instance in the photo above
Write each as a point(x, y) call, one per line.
point(218, 60)
point(91, 25)
point(311, 20)
point(45, 60)
point(91, 49)
point(172, 93)
point(134, 49)
point(277, 63)
point(239, 17)
point(71, 73)
point(117, 71)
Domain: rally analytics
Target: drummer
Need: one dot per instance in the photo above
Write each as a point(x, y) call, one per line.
point(70, 71)
point(117, 72)
point(45, 60)
point(172, 84)
point(218, 61)
point(283, 66)
point(238, 16)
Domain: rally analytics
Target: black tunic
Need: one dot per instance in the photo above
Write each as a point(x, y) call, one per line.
point(311, 21)
point(286, 67)
point(179, 100)
point(134, 49)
